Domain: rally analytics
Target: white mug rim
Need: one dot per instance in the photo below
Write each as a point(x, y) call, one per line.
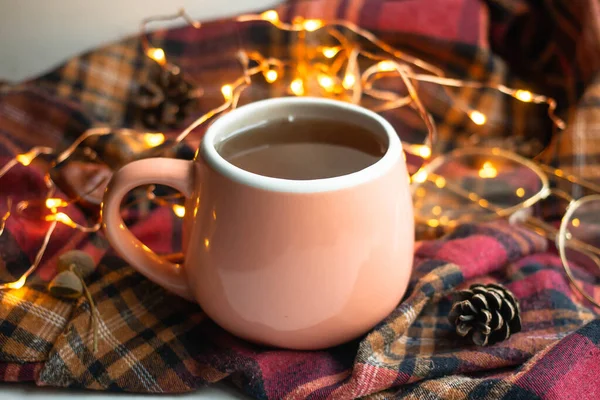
point(212, 157)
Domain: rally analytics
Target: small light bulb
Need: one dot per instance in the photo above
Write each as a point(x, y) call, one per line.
point(440, 182)
point(477, 117)
point(434, 223)
point(330, 52)
point(436, 210)
point(488, 170)
point(206, 243)
point(349, 81)
point(524, 95)
point(326, 81)
point(179, 210)
point(271, 76)
point(575, 222)
point(520, 192)
point(424, 151)
point(16, 284)
point(63, 218)
point(297, 87)
point(154, 139)
point(386, 66)
point(312, 24)
point(157, 54)
point(24, 159)
point(53, 203)
point(420, 176)
point(227, 91)
point(271, 16)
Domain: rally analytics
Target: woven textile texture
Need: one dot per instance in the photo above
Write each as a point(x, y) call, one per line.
point(153, 342)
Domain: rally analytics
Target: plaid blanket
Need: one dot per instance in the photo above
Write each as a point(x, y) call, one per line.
point(153, 342)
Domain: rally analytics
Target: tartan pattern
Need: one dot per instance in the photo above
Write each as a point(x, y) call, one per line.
point(153, 342)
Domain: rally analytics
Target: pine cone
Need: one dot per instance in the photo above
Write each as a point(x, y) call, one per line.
point(488, 313)
point(165, 99)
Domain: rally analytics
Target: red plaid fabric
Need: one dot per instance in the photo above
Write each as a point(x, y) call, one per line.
point(153, 342)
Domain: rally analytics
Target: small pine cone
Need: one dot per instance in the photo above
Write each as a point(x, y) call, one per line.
point(488, 313)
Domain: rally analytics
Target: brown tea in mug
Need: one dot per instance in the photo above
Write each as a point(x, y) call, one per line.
point(303, 148)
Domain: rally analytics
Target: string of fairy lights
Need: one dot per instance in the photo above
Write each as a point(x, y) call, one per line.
point(336, 70)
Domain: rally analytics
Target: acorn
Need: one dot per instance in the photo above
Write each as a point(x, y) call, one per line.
point(77, 261)
point(66, 285)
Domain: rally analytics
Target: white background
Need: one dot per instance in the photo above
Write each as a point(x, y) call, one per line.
point(37, 35)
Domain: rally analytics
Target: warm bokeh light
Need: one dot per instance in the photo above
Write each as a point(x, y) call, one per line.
point(54, 203)
point(227, 91)
point(271, 16)
point(154, 139)
point(349, 81)
point(488, 170)
point(520, 192)
point(16, 284)
point(325, 81)
point(179, 210)
point(312, 24)
point(524, 95)
point(24, 159)
point(420, 176)
point(330, 52)
point(386, 66)
point(271, 76)
point(576, 222)
point(62, 218)
point(297, 87)
point(478, 117)
point(157, 54)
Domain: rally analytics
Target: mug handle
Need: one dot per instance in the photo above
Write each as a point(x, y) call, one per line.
point(175, 173)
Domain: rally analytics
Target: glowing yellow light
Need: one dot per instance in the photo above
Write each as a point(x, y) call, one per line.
point(424, 151)
point(575, 222)
point(483, 203)
point(16, 284)
point(436, 210)
point(24, 159)
point(227, 91)
point(488, 170)
point(433, 223)
point(559, 172)
point(477, 117)
point(444, 219)
point(349, 81)
point(157, 54)
point(420, 176)
point(524, 95)
point(312, 24)
point(271, 76)
point(440, 182)
point(206, 243)
point(179, 210)
point(297, 87)
point(325, 81)
point(330, 52)
point(271, 16)
point(53, 203)
point(386, 66)
point(520, 192)
point(421, 192)
point(473, 196)
point(63, 218)
point(154, 139)
point(214, 215)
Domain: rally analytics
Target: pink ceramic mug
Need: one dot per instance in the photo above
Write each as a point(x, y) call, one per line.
point(302, 264)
